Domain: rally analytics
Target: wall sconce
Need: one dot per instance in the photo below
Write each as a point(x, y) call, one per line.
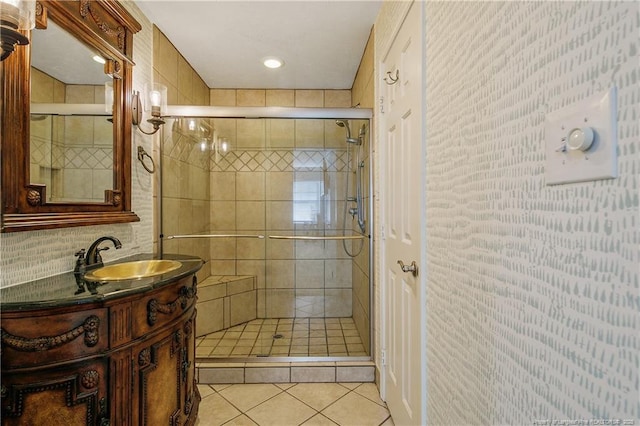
point(15, 15)
point(155, 101)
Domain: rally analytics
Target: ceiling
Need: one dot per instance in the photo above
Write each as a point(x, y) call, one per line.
point(321, 42)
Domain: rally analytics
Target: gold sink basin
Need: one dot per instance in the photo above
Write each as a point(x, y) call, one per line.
point(132, 270)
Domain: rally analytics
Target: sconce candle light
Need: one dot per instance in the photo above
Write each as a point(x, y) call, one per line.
point(15, 15)
point(155, 101)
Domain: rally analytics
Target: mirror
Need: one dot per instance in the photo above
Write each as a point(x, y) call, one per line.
point(66, 134)
point(71, 124)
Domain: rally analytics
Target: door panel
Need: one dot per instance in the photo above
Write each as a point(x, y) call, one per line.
point(403, 222)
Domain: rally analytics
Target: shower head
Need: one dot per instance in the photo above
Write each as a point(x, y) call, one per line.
point(345, 124)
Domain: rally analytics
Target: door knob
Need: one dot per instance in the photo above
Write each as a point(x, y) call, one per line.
point(413, 268)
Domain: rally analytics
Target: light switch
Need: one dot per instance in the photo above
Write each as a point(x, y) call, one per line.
point(582, 141)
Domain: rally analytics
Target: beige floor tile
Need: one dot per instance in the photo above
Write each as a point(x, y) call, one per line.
point(285, 386)
point(318, 396)
point(371, 392)
point(218, 388)
point(281, 410)
point(353, 409)
point(241, 420)
point(350, 386)
point(388, 422)
point(215, 410)
point(247, 396)
point(318, 420)
point(205, 391)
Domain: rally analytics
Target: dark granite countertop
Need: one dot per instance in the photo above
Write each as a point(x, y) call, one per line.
point(62, 290)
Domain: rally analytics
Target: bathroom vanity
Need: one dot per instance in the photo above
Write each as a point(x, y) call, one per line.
point(113, 353)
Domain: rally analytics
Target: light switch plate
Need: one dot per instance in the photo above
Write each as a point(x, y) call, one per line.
point(600, 161)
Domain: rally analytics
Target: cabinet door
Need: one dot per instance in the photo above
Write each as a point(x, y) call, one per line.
point(191, 393)
point(164, 368)
point(75, 394)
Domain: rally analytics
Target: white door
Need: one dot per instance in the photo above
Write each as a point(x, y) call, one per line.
point(403, 157)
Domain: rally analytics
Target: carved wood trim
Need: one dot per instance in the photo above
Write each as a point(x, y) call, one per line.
point(15, 399)
point(35, 196)
point(24, 344)
point(144, 357)
point(122, 377)
point(41, 16)
point(119, 32)
point(120, 327)
point(185, 294)
point(113, 68)
point(90, 379)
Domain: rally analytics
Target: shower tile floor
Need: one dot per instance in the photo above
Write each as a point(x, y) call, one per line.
point(294, 337)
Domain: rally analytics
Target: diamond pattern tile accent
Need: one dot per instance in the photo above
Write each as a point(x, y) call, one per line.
point(280, 161)
point(88, 158)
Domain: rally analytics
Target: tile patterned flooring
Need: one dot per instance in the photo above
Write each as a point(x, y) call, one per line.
point(293, 337)
point(292, 404)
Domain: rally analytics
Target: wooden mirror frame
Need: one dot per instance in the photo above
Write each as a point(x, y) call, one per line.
point(107, 27)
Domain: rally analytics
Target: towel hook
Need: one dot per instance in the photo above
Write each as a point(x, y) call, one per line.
point(141, 154)
point(391, 80)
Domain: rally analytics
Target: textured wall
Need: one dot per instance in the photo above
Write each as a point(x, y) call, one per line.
point(533, 305)
point(26, 256)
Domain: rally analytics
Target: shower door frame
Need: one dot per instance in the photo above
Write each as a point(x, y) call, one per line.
point(195, 111)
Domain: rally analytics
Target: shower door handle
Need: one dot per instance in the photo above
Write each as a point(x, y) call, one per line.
point(413, 268)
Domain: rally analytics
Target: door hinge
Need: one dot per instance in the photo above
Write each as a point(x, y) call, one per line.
point(381, 104)
point(383, 357)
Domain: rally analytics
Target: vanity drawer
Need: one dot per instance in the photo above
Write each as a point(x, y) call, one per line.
point(163, 306)
point(35, 340)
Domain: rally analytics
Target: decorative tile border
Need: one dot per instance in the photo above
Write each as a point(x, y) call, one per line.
point(280, 161)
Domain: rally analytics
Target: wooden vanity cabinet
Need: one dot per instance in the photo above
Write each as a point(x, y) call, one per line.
point(87, 365)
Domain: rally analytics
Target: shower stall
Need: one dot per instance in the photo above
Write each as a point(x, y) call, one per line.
point(277, 201)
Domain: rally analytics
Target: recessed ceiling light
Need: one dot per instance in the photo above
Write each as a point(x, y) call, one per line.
point(272, 62)
point(99, 59)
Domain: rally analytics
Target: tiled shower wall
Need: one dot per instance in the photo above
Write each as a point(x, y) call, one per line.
point(252, 192)
point(362, 94)
point(185, 167)
point(532, 304)
point(264, 191)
